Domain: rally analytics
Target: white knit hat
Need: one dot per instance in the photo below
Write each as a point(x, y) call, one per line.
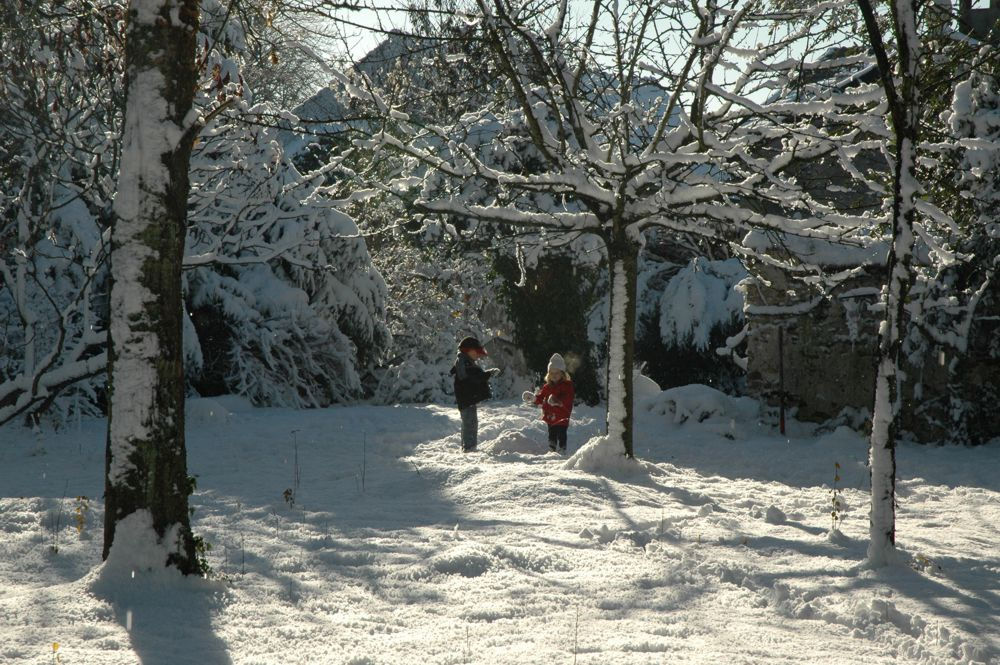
point(557, 362)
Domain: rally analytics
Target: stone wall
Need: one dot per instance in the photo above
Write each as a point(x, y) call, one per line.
point(829, 347)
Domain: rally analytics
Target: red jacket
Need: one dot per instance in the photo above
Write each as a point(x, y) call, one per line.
point(557, 402)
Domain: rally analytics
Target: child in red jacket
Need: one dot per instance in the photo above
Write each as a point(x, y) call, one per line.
point(556, 400)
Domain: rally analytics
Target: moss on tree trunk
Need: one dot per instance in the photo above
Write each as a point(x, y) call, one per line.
point(146, 466)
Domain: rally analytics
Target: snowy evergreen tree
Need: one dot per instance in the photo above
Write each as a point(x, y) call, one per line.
point(687, 314)
point(286, 307)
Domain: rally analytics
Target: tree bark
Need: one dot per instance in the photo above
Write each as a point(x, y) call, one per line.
point(146, 465)
point(903, 105)
point(623, 257)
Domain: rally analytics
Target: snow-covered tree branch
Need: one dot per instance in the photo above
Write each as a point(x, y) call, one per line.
point(251, 211)
point(55, 196)
point(637, 115)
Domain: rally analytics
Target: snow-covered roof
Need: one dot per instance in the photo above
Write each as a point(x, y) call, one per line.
point(323, 113)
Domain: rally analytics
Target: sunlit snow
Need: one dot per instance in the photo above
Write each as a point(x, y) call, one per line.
point(395, 548)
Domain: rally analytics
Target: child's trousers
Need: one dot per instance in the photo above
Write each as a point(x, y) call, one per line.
point(557, 436)
point(470, 427)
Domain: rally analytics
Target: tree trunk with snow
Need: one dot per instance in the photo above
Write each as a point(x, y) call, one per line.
point(146, 466)
point(623, 258)
point(903, 108)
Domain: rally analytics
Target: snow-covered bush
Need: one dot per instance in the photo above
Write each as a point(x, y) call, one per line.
point(701, 298)
point(279, 283)
point(686, 314)
point(281, 286)
point(698, 403)
point(436, 297)
point(59, 85)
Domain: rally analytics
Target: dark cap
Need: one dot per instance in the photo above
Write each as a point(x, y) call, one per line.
point(471, 344)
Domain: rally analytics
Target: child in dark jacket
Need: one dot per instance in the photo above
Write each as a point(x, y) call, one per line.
point(471, 387)
point(556, 400)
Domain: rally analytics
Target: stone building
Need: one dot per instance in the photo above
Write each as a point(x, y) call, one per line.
point(813, 347)
point(812, 339)
point(979, 17)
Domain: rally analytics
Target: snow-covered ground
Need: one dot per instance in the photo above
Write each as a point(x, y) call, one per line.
point(398, 549)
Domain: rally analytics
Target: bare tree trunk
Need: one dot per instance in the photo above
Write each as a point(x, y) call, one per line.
point(146, 459)
point(903, 108)
point(25, 240)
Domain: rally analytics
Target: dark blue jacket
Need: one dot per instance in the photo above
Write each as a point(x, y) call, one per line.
point(471, 382)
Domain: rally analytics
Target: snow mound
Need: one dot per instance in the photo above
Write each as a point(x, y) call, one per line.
point(529, 559)
point(206, 411)
point(136, 554)
point(698, 403)
point(604, 456)
point(775, 515)
point(644, 388)
point(521, 441)
point(467, 560)
point(837, 537)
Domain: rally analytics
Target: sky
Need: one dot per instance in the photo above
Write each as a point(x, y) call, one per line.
point(394, 548)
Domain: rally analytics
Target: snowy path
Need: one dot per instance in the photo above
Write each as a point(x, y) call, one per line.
point(400, 550)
